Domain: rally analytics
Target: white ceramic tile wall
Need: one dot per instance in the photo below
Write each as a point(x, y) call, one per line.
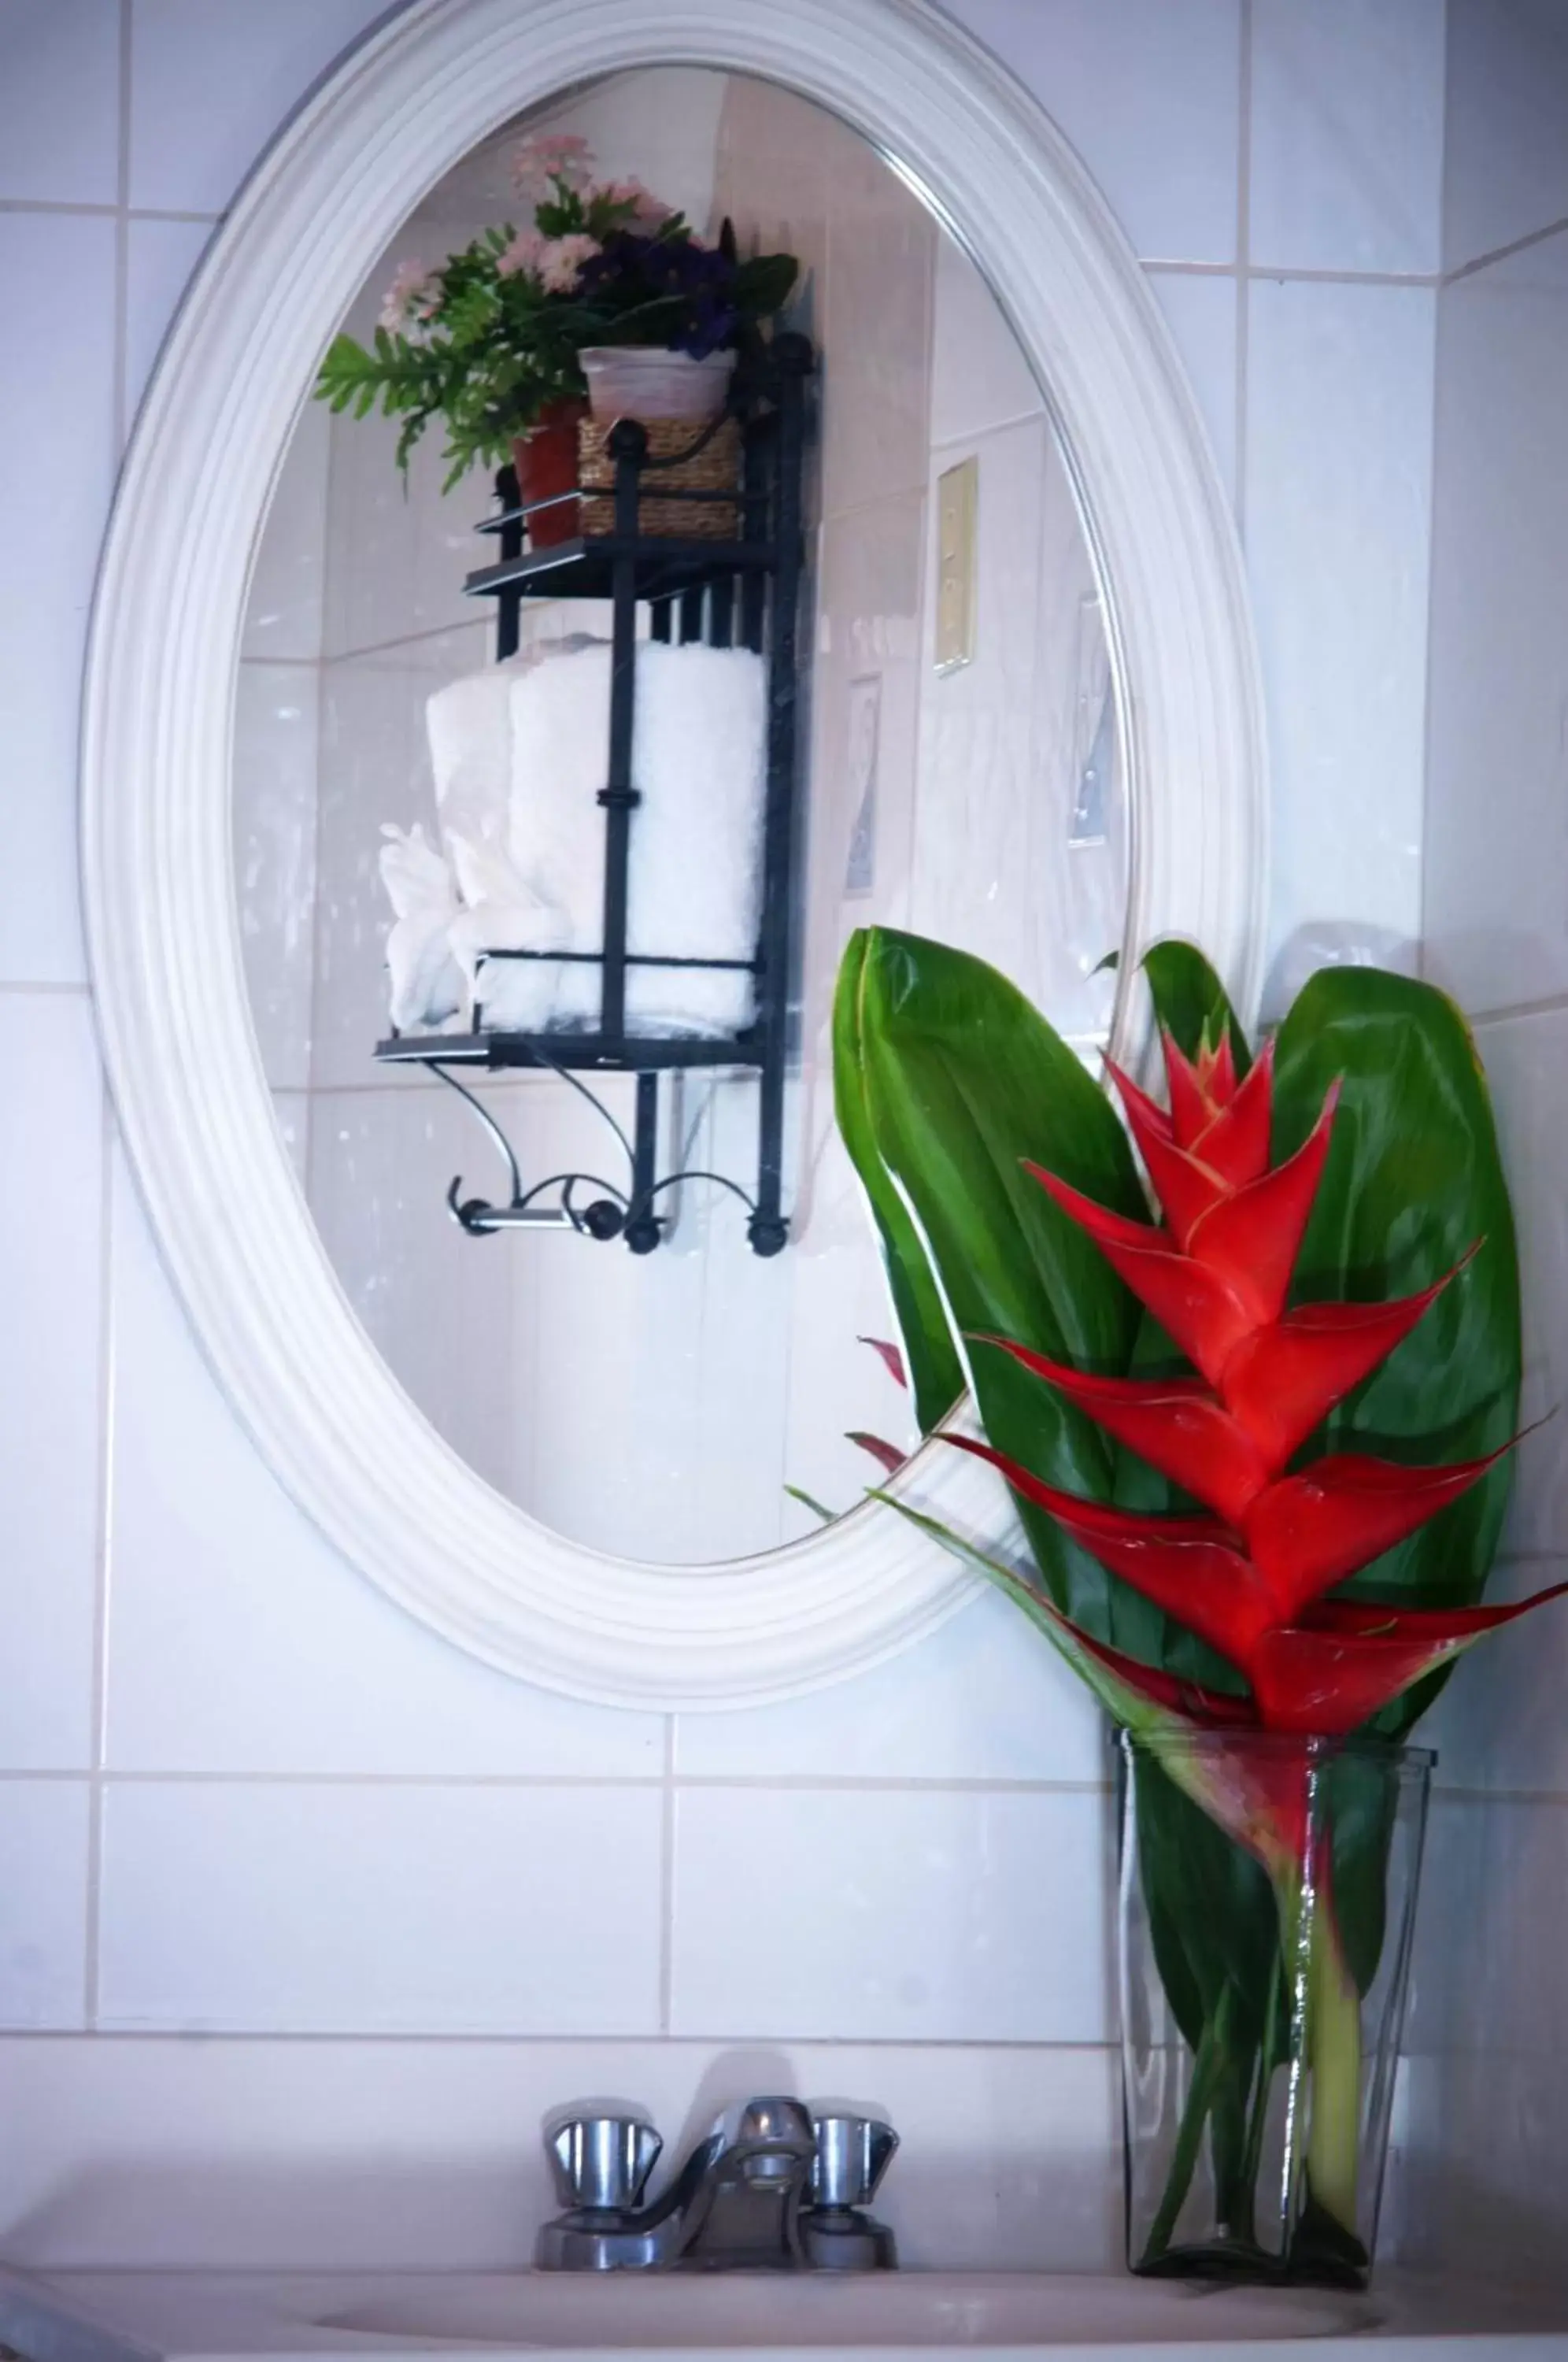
point(1506, 146)
point(253, 1729)
point(1488, 2155)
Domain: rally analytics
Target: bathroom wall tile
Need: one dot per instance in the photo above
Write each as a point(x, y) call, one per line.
point(960, 1915)
point(240, 1641)
point(1005, 742)
point(59, 101)
point(1496, 1870)
point(1506, 149)
point(772, 175)
point(51, 1209)
point(1483, 2153)
point(397, 547)
point(981, 1699)
point(211, 79)
point(1498, 1726)
point(1148, 95)
point(1347, 135)
point(866, 673)
point(43, 1902)
point(160, 257)
point(979, 376)
point(379, 1909)
point(285, 608)
point(874, 388)
point(437, 1307)
point(1495, 858)
point(1525, 1063)
point(1339, 470)
point(291, 1110)
point(56, 470)
point(373, 768)
point(404, 2156)
point(1201, 312)
point(274, 808)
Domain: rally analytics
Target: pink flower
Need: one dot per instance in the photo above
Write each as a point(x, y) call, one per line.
point(647, 211)
point(525, 254)
point(410, 300)
point(563, 257)
point(548, 157)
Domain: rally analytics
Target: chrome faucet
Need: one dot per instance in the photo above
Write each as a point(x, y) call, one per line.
point(772, 2188)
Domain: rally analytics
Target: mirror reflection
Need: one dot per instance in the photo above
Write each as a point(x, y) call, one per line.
point(568, 753)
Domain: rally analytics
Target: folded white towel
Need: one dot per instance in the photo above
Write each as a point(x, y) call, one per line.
point(502, 912)
point(426, 984)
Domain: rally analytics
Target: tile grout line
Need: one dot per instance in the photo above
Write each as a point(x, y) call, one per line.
point(1289, 273)
point(103, 211)
point(533, 1783)
point(1552, 1005)
point(470, 2037)
point(1243, 258)
point(475, 623)
point(1503, 253)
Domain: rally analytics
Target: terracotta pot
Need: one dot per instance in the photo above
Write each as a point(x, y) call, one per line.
point(546, 461)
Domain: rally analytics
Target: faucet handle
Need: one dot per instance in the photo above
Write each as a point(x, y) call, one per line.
point(853, 2152)
point(601, 2154)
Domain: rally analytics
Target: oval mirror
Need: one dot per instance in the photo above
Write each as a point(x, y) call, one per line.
point(668, 1354)
point(804, 522)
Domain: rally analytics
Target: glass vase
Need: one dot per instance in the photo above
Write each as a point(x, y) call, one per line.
point(1267, 1898)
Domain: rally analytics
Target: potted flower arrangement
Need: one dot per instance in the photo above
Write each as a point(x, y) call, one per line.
point(1258, 1435)
point(605, 292)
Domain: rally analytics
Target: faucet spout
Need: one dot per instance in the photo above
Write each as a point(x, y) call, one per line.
point(746, 2186)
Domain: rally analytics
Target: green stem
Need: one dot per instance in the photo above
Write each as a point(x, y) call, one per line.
point(1208, 2067)
point(1333, 2049)
point(1258, 2120)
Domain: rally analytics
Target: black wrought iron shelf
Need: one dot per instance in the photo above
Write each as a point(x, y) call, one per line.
point(722, 592)
point(586, 569)
point(571, 1054)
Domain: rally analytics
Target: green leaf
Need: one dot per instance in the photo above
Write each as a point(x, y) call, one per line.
point(1190, 1001)
point(963, 1080)
point(936, 1372)
point(763, 285)
point(1414, 1179)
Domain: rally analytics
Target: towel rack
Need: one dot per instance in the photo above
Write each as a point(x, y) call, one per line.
point(744, 592)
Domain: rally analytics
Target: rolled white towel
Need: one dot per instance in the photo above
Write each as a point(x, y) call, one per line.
point(693, 888)
point(425, 982)
point(468, 723)
point(560, 746)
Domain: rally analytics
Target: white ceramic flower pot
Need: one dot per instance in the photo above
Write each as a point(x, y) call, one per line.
point(645, 381)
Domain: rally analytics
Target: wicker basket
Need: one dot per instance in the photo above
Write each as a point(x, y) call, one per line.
point(715, 469)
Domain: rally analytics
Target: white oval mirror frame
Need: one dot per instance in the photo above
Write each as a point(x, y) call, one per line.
point(361, 151)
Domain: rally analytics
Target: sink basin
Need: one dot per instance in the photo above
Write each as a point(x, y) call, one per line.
point(916, 2310)
point(201, 2317)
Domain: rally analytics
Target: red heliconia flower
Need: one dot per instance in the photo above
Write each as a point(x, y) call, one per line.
point(1250, 1577)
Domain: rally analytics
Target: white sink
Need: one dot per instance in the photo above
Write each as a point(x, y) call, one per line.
point(198, 2317)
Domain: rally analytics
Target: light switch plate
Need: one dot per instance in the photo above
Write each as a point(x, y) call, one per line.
point(957, 505)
